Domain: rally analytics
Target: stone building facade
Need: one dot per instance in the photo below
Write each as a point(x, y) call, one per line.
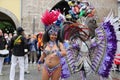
point(103, 7)
point(118, 8)
point(33, 9)
point(31, 14)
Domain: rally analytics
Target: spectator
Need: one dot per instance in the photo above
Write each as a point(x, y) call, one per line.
point(26, 56)
point(33, 49)
point(3, 45)
point(39, 44)
point(7, 59)
point(17, 44)
point(10, 52)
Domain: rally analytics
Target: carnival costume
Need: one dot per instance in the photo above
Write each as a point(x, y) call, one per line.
point(90, 47)
point(53, 21)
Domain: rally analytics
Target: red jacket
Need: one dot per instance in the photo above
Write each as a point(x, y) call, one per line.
point(117, 59)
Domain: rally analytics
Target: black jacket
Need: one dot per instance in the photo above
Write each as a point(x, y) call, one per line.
point(19, 46)
point(3, 42)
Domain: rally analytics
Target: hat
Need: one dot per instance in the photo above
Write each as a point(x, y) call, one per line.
point(20, 29)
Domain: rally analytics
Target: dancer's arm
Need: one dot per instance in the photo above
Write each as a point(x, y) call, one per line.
point(41, 60)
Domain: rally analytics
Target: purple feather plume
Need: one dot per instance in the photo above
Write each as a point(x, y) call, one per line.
point(110, 51)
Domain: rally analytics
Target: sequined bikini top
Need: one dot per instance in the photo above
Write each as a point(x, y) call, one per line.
point(51, 44)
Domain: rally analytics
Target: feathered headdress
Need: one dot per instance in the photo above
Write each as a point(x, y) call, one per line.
point(52, 20)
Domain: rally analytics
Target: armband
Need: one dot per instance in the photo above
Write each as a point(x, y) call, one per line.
point(46, 52)
point(40, 62)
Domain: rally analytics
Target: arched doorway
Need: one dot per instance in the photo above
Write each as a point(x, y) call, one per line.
point(8, 21)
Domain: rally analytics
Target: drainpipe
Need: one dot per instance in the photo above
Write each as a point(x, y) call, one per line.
point(21, 10)
point(34, 22)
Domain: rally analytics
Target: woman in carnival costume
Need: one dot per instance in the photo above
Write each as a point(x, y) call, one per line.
point(53, 48)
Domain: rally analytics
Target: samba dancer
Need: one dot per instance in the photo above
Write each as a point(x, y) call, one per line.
point(53, 49)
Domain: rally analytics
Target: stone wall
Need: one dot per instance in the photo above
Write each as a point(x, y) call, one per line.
point(33, 9)
point(31, 13)
point(119, 8)
point(103, 7)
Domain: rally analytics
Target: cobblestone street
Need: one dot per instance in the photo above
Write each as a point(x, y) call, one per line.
point(36, 75)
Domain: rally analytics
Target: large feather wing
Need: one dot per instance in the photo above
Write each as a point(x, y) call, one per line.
point(75, 35)
point(105, 49)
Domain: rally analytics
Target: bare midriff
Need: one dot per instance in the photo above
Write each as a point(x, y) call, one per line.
point(52, 60)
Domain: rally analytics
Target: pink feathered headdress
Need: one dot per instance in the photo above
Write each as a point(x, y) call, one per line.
point(49, 17)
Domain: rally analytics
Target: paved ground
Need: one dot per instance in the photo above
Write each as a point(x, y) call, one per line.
point(35, 75)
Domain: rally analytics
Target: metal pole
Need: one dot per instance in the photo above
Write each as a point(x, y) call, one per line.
point(34, 25)
point(21, 10)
